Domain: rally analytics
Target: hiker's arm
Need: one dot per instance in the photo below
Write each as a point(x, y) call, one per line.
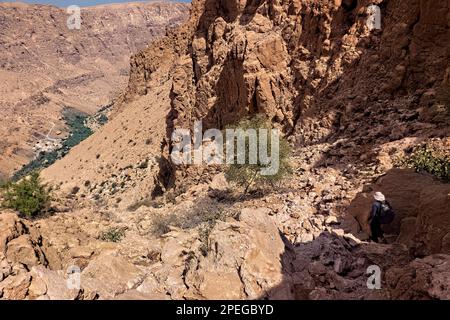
point(374, 211)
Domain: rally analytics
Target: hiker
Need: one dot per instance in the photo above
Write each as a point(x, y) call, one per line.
point(381, 213)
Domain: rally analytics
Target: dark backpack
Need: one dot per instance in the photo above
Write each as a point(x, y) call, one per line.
point(387, 214)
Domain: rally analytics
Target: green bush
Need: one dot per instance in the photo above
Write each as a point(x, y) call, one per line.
point(113, 235)
point(429, 159)
point(246, 175)
point(210, 220)
point(28, 196)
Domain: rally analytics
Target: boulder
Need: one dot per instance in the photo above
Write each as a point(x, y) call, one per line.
point(425, 278)
point(243, 256)
point(20, 240)
point(15, 287)
point(11, 227)
point(22, 250)
point(51, 284)
point(110, 275)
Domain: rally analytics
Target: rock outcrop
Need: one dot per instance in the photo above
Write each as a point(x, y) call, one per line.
point(19, 242)
point(235, 259)
point(20, 251)
point(187, 273)
point(422, 279)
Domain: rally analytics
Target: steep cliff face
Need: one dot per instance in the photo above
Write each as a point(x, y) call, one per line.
point(312, 67)
point(293, 60)
point(45, 66)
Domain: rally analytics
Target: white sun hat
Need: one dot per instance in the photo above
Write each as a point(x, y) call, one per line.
point(379, 196)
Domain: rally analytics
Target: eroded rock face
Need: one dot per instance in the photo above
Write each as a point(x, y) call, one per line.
point(235, 259)
point(425, 278)
point(20, 251)
point(19, 241)
point(269, 57)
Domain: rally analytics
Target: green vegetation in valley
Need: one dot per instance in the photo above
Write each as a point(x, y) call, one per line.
point(76, 121)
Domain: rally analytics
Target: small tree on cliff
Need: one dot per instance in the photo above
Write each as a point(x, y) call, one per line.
point(28, 196)
point(250, 172)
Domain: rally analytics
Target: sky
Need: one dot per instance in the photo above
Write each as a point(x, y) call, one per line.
point(81, 3)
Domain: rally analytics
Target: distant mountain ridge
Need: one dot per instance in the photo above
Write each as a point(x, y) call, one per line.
point(45, 66)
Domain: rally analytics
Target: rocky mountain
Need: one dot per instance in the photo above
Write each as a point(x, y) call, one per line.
point(45, 66)
point(351, 100)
